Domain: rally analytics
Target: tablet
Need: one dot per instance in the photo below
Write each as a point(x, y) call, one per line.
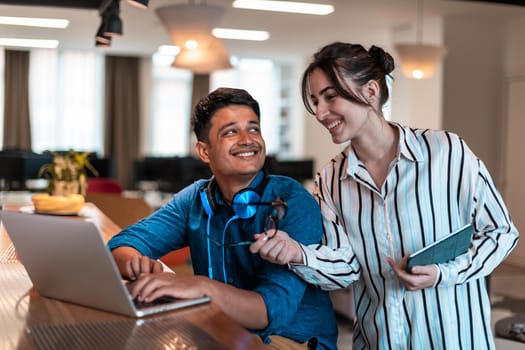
point(444, 249)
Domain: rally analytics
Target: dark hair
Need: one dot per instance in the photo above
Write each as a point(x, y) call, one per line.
point(342, 60)
point(217, 99)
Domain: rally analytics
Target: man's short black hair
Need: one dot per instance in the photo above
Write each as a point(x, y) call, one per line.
point(217, 99)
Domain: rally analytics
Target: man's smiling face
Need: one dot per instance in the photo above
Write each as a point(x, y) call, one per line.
point(235, 145)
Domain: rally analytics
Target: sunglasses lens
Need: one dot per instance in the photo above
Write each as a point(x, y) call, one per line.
point(278, 212)
point(270, 227)
point(270, 224)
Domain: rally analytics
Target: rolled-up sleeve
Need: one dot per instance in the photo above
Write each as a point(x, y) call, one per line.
point(161, 232)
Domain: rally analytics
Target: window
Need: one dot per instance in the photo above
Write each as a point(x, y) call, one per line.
point(171, 102)
point(169, 125)
point(260, 78)
point(65, 100)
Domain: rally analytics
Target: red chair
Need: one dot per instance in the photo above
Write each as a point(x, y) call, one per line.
point(177, 257)
point(103, 185)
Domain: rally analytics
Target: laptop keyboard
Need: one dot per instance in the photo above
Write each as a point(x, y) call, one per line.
point(159, 301)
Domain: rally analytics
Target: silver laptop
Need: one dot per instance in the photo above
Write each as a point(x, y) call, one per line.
point(67, 259)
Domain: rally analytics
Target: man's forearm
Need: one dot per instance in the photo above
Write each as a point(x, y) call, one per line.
point(122, 255)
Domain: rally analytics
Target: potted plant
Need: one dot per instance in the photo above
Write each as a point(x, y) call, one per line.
point(67, 174)
point(67, 183)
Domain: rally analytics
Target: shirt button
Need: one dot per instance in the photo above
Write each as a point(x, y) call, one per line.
point(230, 280)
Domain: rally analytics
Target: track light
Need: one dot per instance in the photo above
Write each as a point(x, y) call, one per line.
point(99, 43)
point(111, 24)
point(101, 36)
point(112, 19)
point(114, 26)
point(139, 3)
point(101, 39)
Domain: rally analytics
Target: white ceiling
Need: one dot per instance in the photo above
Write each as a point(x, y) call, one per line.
point(363, 21)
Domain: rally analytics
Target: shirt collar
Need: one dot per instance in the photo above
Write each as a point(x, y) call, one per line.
point(409, 146)
point(255, 184)
point(409, 149)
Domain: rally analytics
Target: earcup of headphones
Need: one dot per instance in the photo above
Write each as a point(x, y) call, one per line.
point(244, 203)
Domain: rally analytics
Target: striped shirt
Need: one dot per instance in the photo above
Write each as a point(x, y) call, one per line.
point(434, 186)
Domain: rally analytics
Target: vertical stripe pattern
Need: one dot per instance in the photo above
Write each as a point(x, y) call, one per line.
point(435, 186)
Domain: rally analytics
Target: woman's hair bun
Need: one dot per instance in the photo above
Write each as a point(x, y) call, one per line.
point(383, 59)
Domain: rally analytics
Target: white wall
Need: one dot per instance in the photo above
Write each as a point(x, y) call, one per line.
point(513, 189)
point(473, 84)
point(485, 57)
point(515, 48)
point(513, 184)
point(298, 131)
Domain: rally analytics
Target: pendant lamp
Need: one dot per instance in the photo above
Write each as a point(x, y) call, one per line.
point(419, 60)
point(190, 27)
point(204, 59)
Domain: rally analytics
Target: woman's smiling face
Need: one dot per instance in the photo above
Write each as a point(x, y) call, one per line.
point(342, 118)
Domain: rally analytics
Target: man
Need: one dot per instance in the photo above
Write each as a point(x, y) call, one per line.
point(217, 219)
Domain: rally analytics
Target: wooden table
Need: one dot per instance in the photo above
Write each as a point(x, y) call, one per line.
point(30, 321)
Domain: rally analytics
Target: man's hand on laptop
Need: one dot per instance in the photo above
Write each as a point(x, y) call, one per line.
point(149, 287)
point(131, 263)
point(138, 264)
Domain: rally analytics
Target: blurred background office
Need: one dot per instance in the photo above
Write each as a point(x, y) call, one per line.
point(120, 97)
point(119, 78)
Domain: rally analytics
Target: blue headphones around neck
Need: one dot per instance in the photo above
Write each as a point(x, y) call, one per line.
point(244, 205)
point(244, 202)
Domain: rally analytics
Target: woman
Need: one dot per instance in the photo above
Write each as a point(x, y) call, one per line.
point(392, 191)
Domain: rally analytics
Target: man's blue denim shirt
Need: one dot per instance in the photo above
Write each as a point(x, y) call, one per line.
point(296, 309)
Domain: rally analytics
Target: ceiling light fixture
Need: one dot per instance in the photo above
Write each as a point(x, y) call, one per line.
point(285, 6)
point(100, 38)
point(190, 22)
point(190, 28)
point(111, 19)
point(40, 43)
point(240, 34)
point(204, 60)
point(110, 23)
point(419, 60)
point(102, 44)
point(35, 22)
point(139, 3)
